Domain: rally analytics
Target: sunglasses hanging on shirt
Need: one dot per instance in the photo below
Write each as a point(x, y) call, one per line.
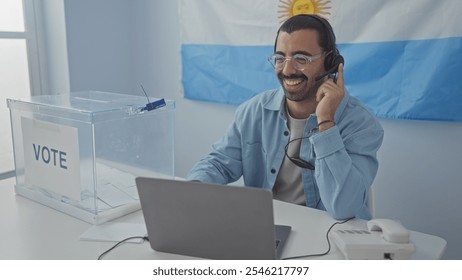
point(296, 160)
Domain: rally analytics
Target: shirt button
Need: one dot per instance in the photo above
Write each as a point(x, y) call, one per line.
point(273, 171)
point(286, 133)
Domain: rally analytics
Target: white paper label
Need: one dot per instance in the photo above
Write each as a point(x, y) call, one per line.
point(51, 157)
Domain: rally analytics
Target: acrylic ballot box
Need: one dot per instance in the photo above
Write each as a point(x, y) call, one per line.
point(79, 153)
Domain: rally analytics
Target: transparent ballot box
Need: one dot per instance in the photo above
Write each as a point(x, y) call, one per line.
point(79, 153)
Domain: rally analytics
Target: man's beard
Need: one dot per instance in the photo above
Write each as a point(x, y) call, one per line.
point(298, 95)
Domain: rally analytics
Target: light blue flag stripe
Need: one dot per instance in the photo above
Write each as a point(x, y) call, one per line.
point(226, 74)
point(405, 79)
point(409, 79)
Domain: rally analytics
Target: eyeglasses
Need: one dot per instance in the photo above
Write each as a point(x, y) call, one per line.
point(300, 61)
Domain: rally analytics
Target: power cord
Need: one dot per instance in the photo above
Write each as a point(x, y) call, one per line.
point(145, 238)
point(328, 242)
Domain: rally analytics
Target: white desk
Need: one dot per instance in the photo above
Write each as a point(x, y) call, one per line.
point(33, 231)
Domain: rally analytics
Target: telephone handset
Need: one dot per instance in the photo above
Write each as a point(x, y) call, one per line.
point(392, 231)
point(383, 239)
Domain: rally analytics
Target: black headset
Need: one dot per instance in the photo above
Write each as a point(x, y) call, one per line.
point(333, 57)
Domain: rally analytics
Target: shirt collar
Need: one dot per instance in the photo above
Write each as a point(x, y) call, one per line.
point(276, 100)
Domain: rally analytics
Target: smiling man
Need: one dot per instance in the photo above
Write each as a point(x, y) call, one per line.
point(309, 141)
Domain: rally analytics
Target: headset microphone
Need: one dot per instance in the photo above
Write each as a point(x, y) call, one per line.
point(338, 59)
point(318, 78)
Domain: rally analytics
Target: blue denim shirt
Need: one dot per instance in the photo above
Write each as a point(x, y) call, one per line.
point(344, 155)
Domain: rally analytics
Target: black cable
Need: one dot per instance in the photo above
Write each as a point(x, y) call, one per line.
point(145, 238)
point(328, 242)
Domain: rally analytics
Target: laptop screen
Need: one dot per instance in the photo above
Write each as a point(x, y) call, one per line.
point(208, 221)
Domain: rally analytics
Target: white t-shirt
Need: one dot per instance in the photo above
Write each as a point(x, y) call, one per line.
point(288, 186)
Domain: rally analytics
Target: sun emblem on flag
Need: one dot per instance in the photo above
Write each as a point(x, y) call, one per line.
point(289, 8)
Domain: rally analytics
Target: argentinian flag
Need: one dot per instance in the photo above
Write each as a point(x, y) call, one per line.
point(403, 58)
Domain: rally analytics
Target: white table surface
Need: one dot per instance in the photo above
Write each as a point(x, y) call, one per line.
point(34, 231)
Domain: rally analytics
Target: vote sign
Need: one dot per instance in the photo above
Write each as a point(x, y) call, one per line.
point(51, 157)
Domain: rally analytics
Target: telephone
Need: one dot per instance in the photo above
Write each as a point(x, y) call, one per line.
point(383, 239)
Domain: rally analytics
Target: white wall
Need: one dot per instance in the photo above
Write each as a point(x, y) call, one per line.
point(54, 67)
point(123, 43)
point(420, 178)
point(100, 44)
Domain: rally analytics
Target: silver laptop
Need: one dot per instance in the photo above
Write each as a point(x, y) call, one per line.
point(210, 221)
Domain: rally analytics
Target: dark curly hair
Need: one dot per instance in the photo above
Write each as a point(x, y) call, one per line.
point(306, 21)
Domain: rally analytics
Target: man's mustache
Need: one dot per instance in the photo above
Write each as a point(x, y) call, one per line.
point(294, 76)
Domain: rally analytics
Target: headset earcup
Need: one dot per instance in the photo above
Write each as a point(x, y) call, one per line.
point(332, 60)
point(328, 61)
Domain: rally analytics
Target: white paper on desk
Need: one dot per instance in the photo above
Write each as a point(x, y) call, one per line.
point(113, 196)
point(115, 232)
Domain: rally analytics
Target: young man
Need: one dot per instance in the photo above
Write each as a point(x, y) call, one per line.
point(308, 141)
